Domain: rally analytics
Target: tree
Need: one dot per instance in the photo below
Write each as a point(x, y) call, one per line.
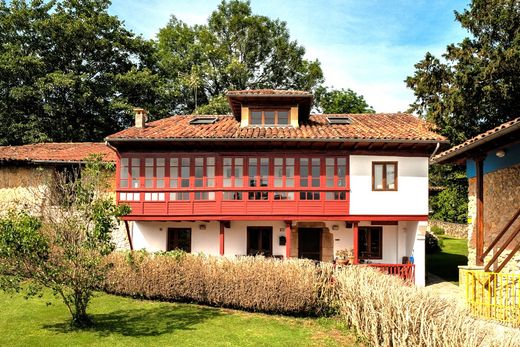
point(236, 49)
point(63, 247)
point(477, 86)
point(70, 72)
point(341, 101)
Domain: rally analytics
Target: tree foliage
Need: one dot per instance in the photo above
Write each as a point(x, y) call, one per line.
point(477, 85)
point(451, 203)
point(63, 247)
point(70, 71)
point(236, 49)
point(341, 101)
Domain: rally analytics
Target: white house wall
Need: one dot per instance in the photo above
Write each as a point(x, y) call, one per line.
point(411, 198)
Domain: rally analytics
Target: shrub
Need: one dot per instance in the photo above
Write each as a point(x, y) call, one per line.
point(251, 283)
point(437, 230)
point(432, 243)
point(387, 313)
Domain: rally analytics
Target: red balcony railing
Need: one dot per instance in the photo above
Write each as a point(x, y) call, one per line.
point(405, 271)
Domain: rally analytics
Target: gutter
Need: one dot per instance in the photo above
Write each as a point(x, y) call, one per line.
point(199, 139)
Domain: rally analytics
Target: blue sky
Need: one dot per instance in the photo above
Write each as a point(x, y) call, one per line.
point(369, 46)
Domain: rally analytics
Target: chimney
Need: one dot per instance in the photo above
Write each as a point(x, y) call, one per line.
point(141, 116)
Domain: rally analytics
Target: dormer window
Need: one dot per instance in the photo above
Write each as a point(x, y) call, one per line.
point(269, 117)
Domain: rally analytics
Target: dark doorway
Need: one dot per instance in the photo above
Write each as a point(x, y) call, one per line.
point(309, 243)
point(260, 241)
point(179, 238)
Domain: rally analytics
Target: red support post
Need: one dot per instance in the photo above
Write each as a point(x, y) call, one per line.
point(287, 240)
point(222, 238)
point(356, 237)
point(479, 235)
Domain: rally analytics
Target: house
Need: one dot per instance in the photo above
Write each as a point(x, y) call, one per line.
point(273, 179)
point(492, 162)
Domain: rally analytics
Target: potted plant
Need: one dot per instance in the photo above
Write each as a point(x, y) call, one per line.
point(345, 256)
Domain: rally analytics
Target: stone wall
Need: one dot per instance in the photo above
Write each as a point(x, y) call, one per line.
point(501, 201)
point(450, 229)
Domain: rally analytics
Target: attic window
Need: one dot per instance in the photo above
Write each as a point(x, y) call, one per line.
point(203, 120)
point(339, 120)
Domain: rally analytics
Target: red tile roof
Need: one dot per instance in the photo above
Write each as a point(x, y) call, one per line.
point(56, 152)
point(390, 127)
point(499, 131)
point(268, 92)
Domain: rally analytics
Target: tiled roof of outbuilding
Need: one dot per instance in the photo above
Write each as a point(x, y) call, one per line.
point(56, 152)
point(502, 129)
point(364, 127)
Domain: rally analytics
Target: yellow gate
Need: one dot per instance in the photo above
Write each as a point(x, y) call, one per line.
point(493, 295)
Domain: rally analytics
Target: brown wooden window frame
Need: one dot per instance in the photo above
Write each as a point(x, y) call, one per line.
point(275, 110)
point(379, 255)
point(172, 239)
point(385, 183)
point(260, 230)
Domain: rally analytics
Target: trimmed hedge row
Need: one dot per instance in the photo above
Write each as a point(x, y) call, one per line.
point(251, 283)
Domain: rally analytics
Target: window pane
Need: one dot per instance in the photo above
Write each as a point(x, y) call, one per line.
point(329, 172)
point(315, 172)
point(390, 176)
point(269, 117)
point(304, 172)
point(252, 172)
point(283, 117)
point(148, 162)
point(378, 176)
point(342, 172)
point(256, 117)
point(264, 171)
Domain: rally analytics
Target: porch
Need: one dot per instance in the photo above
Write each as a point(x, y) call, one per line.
point(386, 245)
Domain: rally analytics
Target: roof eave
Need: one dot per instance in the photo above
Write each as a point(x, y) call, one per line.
point(458, 154)
point(202, 139)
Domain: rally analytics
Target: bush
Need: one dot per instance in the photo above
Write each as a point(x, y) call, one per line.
point(387, 313)
point(432, 243)
point(251, 283)
point(437, 230)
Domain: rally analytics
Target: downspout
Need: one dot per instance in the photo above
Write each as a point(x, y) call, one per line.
point(435, 151)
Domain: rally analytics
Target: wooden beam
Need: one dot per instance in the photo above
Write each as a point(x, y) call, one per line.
point(221, 237)
point(479, 235)
point(288, 239)
point(356, 241)
point(130, 243)
point(500, 235)
point(509, 257)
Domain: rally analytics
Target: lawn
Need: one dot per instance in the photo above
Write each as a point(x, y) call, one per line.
point(445, 263)
point(130, 322)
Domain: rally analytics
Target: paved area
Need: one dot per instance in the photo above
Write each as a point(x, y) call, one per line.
point(444, 289)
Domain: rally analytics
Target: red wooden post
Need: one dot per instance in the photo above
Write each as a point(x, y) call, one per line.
point(287, 240)
point(356, 250)
point(479, 237)
point(221, 238)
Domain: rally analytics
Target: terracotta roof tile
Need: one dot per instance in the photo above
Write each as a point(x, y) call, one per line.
point(392, 127)
point(500, 130)
point(268, 92)
point(56, 152)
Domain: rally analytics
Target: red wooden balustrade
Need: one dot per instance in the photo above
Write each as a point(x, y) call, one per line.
point(405, 271)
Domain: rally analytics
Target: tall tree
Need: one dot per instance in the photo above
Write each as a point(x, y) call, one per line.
point(236, 49)
point(341, 101)
point(477, 85)
point(70, 71)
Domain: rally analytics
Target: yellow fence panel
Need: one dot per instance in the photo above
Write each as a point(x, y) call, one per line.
point(493, 295)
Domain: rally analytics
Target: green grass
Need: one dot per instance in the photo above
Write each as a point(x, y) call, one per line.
point(445, 263)
point(129, 322)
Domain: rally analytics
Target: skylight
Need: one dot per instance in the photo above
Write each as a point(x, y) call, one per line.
point(339, 120)
point(203, 120)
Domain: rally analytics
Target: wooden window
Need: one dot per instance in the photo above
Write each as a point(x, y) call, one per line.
point(174, 172)
point(336, 196)
point(204, 177)
point(124, 173)
point(384, 176)
point(370, 243)
point(258, 177)
point(269, 117)
point(260, 241)
point(154, 172)
point(154, 196)
point(135, 170)
point(179, 238)
point(179, 196)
